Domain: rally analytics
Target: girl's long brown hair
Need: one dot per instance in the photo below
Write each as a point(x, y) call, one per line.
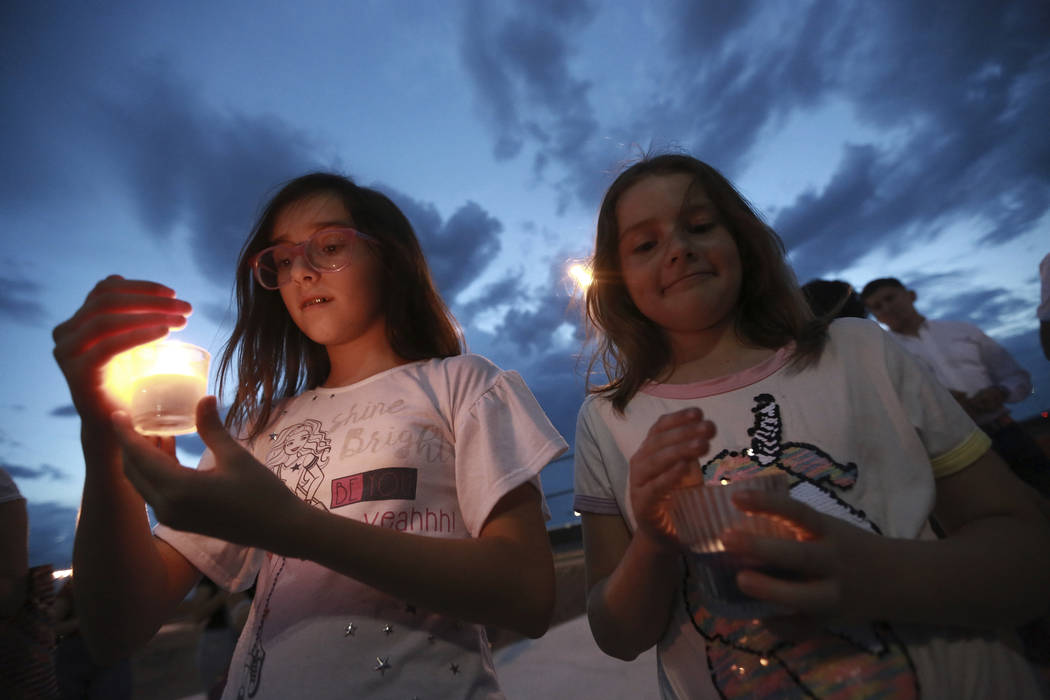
point(770, 313)
point(274, 359)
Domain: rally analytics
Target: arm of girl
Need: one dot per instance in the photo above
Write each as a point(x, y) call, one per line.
point(631, 579)
point(991, 571)
point(504, 577)
point(126, 580)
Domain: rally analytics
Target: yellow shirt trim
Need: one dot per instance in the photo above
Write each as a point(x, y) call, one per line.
point(962, 455)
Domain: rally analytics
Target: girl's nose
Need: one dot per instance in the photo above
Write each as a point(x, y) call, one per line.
point(301, 269)
point(679, 245)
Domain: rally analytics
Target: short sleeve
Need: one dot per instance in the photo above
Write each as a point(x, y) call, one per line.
point(1043, 311)
point(594, 491)
point(950, 437)
point(231, 566)
point(503, 440)
point(8, 490)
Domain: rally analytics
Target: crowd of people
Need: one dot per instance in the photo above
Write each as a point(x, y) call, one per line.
point(377, 489)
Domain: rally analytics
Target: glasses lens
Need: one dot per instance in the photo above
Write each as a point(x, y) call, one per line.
point(274, 266)
point(329, 250)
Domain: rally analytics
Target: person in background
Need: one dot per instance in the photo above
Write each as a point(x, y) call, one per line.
point(1043, 312)
point(717, 369)
point(980, 373)
point(833, 299)
point(27, 635)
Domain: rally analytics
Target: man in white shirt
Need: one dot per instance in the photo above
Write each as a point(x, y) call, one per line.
point(978, 371)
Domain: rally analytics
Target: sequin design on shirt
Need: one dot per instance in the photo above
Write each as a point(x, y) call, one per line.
point(744, 657)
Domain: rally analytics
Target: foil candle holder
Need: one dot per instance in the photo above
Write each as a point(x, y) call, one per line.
point(159, 384)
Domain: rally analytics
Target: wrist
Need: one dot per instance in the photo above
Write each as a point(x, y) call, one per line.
point(298, 516)
point(656, 546)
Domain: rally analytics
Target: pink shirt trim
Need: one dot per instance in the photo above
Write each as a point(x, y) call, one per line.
point(720, 385)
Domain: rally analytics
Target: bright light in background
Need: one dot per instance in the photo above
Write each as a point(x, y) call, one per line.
point(581, 276)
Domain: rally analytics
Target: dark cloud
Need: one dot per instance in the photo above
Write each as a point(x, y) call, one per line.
point(187, 163)
point(501, 293)
point(962, 88)
point(527, 92)
point(106, 121)
point(51, 530)
point(457, 250)
point(66, 411)
point(966, 87)
point(530, 328)
point(18, 301)
point(985, 308)
point(43, 471)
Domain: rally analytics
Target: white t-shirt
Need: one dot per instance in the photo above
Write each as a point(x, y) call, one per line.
point(430, 448)
point(964, 359)
point(862, 436)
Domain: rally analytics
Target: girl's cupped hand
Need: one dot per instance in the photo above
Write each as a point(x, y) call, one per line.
point(117, 315)
point(239, 500)
point(825, 568)
point(667, 458)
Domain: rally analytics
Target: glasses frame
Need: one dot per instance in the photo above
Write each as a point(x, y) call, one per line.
point(298, 250)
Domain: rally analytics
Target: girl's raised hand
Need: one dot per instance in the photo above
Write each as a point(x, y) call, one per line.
point(239, 500)
point(666, 458)
point(827, 564)
point(117, 314)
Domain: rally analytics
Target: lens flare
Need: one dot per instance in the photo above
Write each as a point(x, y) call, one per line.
point(581, 275)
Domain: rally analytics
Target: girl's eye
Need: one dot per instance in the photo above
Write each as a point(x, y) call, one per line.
point(644, 247)
point(703, 227)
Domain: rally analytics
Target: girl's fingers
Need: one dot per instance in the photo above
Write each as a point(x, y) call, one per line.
point(809, 559)
point(149, 470)
point(98, 352)
point(116, 283)
point(214, 433)
point(812, 596)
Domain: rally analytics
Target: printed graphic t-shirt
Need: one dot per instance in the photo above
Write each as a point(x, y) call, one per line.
point(428, 448)
point(862, 436)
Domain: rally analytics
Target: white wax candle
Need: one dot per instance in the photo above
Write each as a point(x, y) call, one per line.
point(166, 404)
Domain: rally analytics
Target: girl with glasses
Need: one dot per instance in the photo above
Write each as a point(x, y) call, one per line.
point(384, 486)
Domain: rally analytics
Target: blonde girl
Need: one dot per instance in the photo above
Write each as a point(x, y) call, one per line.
point(715, 366)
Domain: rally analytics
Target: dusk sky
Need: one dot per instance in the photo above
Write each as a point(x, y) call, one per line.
point(878, 138)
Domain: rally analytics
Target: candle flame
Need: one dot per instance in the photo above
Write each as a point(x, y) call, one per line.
point(126, 370)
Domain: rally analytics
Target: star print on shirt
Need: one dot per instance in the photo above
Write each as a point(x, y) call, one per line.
point(350, 629)
point(382, 665)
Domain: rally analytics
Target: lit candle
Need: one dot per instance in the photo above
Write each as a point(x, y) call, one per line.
point(159, 384)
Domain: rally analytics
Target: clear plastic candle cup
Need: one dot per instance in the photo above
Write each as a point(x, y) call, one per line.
point(160, 384)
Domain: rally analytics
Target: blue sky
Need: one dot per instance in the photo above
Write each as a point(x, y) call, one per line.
point(904, 139)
